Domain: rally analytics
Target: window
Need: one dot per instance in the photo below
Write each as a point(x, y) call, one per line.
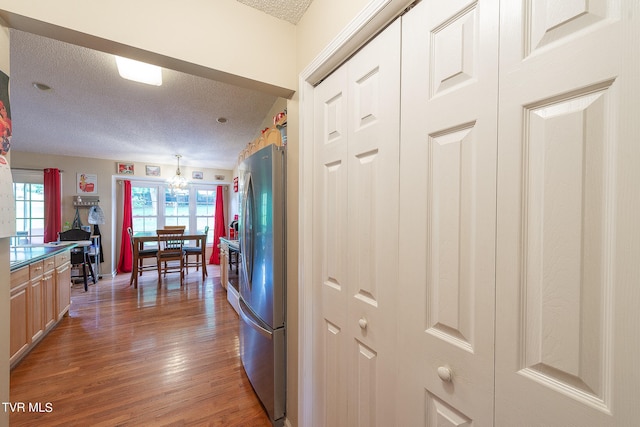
point(176, 208)
point(144, 206)
point(205, 209)
point(28, 189)
point(194, 208)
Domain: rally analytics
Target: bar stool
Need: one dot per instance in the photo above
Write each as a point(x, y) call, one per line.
point(79, 254)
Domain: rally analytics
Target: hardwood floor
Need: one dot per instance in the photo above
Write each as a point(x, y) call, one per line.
point(165, 356)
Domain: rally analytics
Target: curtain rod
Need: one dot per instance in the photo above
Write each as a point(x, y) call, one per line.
point(33, 169)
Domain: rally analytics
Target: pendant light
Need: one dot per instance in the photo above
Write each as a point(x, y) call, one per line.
point(178, 183)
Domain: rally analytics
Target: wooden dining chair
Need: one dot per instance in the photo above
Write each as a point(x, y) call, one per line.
point(175, 227)
point(197, 251)
point(143, 253)
point(170, 252)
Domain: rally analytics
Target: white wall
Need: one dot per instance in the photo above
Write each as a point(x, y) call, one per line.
point(321, 23)
point(197, 37)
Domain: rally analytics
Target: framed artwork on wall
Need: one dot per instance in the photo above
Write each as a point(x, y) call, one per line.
point(152, 170)
point(124, 168)
point(196, 175)
point(5, 115)
point(86, 183)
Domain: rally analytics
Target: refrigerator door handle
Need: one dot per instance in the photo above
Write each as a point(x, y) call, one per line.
point(250, 322)
point(246, 241)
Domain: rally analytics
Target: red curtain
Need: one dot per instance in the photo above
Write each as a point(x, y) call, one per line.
point(52, 214)
point(125, 264)
point(219, 229)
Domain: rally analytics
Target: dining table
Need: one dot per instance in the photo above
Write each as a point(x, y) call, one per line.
point(142, 237)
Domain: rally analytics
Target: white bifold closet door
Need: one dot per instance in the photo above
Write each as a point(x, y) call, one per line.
point(448, 213)
point(355, 233)
point(568, 259)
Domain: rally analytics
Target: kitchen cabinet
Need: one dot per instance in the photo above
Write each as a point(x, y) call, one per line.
point(224, 263)
point(228, 277)
point(49, 293)
point(63, 283)
point(36, 302)
point(40, 296)
point(19, 337)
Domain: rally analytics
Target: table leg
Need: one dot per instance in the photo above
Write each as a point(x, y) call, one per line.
point(203, 250)
point(134, 267)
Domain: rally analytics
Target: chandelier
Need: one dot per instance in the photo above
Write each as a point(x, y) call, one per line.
point(178, 183)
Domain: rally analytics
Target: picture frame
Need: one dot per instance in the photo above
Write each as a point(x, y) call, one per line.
point(197, 175)
point(125, 168)
point(152, 170)
point(86, 183)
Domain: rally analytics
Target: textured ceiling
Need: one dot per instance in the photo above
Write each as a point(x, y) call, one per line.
point(92, 112)
point(288, 10)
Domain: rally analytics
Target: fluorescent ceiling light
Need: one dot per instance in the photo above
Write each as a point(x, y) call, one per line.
point(139, 71)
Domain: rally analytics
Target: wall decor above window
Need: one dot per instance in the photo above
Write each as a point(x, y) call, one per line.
point(152, 170)
point(124, 168)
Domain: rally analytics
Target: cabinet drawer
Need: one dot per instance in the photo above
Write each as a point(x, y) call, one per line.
point(62, 258)
point(36, 269)
point(19, 277)
point(49, 264)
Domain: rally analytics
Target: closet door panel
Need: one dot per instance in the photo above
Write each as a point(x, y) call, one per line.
point(566, 286)
point(373, 175)
point(331, 249)
point(447, 213)
point(356, 151)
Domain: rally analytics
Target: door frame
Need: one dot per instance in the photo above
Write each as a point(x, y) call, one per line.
point(369, 22)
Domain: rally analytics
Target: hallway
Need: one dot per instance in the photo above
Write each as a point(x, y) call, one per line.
point(151, 356)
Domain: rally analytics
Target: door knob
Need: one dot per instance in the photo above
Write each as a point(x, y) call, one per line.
point(363, 323)
point(445, 373)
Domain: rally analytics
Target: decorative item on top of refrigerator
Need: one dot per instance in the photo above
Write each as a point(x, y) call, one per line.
point(262, 277)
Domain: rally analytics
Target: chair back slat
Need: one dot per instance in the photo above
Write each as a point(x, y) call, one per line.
point(75, 234)
point(170, 240)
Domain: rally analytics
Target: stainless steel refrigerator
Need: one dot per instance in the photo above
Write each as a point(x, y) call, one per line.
point(262, 277)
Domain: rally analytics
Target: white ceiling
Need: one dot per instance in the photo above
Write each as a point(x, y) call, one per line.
point(92, 112)
point(288, 10)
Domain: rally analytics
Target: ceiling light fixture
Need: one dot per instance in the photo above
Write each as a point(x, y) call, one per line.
point(41, 86)
point(221, 120)
point(139, 71)
point(178, 183)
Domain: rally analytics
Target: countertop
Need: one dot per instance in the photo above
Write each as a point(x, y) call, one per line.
point(233, 244)
point(20, 256)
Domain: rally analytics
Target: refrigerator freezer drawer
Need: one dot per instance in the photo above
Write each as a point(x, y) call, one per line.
point(263, 356)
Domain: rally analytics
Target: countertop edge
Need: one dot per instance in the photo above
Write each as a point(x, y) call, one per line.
point(48, 252)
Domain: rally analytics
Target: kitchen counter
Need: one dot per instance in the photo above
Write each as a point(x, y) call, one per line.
point(40, 293)
point(229, 278)
point(233, 244)
point(20, 256)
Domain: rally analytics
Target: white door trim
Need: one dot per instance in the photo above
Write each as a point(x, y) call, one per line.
point(374, 17)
